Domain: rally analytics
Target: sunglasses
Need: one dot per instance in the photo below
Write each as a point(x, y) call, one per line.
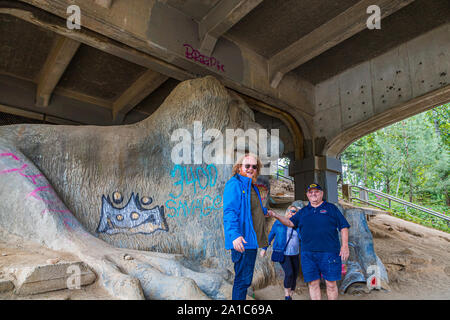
point(293, 211)
point(254, 166)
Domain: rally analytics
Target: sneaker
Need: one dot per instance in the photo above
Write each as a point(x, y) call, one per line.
point(288, 298)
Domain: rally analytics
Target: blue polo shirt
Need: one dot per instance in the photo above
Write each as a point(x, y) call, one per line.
point(319, 227)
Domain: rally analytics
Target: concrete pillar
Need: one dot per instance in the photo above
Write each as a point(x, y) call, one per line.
point(318, 169)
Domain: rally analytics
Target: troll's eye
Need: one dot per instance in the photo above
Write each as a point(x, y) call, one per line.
point(146, 200)
point(117, 197)
point(134, 216)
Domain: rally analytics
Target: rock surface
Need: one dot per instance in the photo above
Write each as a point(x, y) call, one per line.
point(50, 277)
point(100, 192)
point(6, 285)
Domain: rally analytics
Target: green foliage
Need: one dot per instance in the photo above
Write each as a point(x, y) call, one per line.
point(409, 159)
point(440, 118)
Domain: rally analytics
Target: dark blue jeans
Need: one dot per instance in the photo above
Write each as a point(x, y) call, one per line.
point(291, 268)
point(244, 265)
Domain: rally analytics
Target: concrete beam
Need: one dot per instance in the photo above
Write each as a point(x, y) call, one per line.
point(57, 120)
point(21, 113)
point(83, 97)
point(57, 25)
point(57, 61)
point(423, 103)
point(396, 85)
point(330, 34)
point(17, 96)
point(289, 121)
point(220, 19)
point(140, 89)
point(104, 3)
point(156, 45)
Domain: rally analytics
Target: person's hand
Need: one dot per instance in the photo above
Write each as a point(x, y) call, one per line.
point(262, 253)
point(271, 213)
point(238, 244)
point(345, 253)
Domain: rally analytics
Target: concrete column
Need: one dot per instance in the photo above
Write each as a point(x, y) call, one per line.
point(318, 169)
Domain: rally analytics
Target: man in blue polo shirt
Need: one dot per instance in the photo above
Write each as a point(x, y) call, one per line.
point(321, 251)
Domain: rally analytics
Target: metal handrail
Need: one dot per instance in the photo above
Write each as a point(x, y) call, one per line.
point(283, 176)
point(378, 205)
point(395, 199)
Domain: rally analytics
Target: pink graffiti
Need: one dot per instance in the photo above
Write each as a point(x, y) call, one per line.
point(9, 155)
point(24, 166)
point(50, 192)
point(12, 170)
point(44, 193)
point(195, 55)
point(32, 177)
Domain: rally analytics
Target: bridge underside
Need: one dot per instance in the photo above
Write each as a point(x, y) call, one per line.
point(310, 68)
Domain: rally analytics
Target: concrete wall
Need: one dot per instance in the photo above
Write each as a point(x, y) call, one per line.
point(139, 26)
point(405, 81)
point(396, 85)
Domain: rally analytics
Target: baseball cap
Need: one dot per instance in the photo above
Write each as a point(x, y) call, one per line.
point(313, 186)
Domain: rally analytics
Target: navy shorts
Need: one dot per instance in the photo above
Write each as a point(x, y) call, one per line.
point(316, 263)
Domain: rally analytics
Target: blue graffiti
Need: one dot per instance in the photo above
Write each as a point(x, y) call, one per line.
point(187, 177)
point(198, 178)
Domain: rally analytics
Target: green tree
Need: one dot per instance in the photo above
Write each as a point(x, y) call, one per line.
point(409, 158)
point(390, 158)
point(360, 159)
point(440, 118)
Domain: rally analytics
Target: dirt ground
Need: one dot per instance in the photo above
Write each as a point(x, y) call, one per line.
point(417, 259)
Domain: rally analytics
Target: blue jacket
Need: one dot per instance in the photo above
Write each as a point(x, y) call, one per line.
point(278, 232)
point(237, 216)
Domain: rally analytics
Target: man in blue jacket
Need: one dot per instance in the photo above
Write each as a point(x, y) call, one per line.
point(321, 252)
point(244, 222)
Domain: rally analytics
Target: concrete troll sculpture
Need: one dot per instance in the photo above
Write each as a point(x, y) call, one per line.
point(106, 193)
point(103, 192)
